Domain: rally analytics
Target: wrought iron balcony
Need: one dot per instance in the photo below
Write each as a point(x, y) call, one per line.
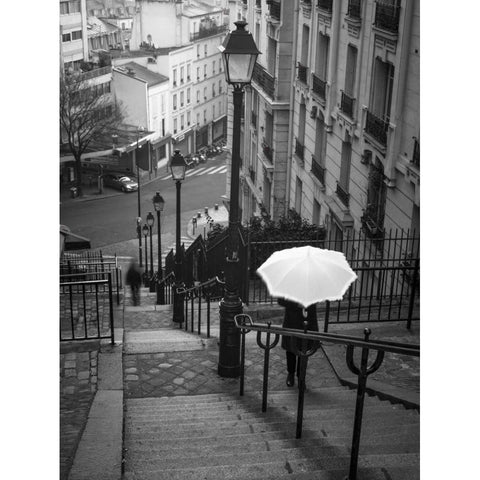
point(302, 73)
point(325, 5)
point(318, 171)
point(275, 9)
point(387, 16)
point(264, 80)
point(347, 104)
point(208, 32)
point(343, 195)
point(370, 226)
point(299, 149)
point(318, 86)
point(267, 150)
point(377, 128)
point(416, 153)
point(354, 8)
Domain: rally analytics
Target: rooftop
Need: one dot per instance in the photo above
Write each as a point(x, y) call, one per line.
point(137, 71)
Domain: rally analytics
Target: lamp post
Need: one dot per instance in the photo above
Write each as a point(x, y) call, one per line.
point(239, 54)
point(158, 204)
point(178, 166)
point(145, 273)
point(139, 130)
point(139, 236)
point(150, 223)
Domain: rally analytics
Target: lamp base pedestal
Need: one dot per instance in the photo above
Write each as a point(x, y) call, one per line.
point(229, 351)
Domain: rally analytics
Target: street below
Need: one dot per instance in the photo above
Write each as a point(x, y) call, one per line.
point(111, 220)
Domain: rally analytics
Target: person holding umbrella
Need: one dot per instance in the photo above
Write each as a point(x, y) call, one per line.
point(300, 277)
point(294, 317)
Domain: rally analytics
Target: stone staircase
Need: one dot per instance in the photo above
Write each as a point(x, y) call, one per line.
point(219, 436)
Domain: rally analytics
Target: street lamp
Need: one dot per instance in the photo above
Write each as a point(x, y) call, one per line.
point(150, 222)
point(158, 204)
point(145, 274)
point(139, 130)
point(178, 166)
point(139, 236)
point(239, 54)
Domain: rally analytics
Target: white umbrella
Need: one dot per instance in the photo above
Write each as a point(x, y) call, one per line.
point(307, 275)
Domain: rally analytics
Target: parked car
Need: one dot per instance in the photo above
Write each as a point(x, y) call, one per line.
point(120, 182)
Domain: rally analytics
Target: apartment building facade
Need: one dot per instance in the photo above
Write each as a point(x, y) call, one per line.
point(73, 34)
point(355, 153)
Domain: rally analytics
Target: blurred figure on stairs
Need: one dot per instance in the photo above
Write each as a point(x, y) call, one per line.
point(134, 279)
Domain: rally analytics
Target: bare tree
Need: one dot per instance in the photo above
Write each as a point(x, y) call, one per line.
point(87, 115)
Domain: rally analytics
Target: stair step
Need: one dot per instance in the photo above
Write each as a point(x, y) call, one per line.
point(277, 468)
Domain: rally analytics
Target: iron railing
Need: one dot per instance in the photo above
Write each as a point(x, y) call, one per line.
point(319, 86)
point(342, 194)
point(274, 9)
point(387, 16)
point(346, 104)
point(306, 344)
point(354, 8)
point(302, 73)
point(264, 80)
point(267, 150)
point(299, 149)
point(377, 128)
point(86, 307)
point(193, 299)
point(325, 5)
point(164, 289)
point(318, 170)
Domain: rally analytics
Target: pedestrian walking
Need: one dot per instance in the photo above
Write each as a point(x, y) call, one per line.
point(294, 317)
point(134, 279)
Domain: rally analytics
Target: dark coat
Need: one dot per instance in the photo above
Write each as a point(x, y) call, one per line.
point(134, 275)
point(294, 319)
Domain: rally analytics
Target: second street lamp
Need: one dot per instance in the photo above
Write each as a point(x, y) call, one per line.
point(145, 274)
point(150, 223)
point(239, 54)
point(158, 204)
point(178, 166)
point(137, 150)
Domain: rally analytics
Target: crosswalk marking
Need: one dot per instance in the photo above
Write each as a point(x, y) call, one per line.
point(223, 168)
point(200, 171)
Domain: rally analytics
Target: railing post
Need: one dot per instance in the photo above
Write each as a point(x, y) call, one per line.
point(412, 294)
point(110, 302)
point(327, 316)
point(266, 366)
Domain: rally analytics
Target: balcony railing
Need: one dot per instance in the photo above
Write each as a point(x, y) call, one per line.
point(318, 171)
point(299, 149)
point(318, 86)
point(370, 227)
point(377, 128)
point(416, 153)
point(208, 32)
point(96, 72)
point(343, 195)
point(354, 8)
point(347, 104)
point(325, 5)
point(302, 73)
point(264, 80)
point(387, 16)
point(275, 9)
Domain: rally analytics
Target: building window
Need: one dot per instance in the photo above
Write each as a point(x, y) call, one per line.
point(205, 49)
point(205, 71)
point(316, 213)
point(213, 111)
point(188, 119)
point(188, 95)
point(175, 101)
point(198, 96)
point(174, 77)
point(271, 55)
point(188, 73)
point(198, 119)
point(72, 6)
point(376, 196)
point(163, 103)
point(174, 125)
point(198, 73)
point(182, 72)
point(298, 196)
point(213, 90)
point(198, 51)
point(381, 97)
point(204, 93)
point(182, 123)
point(163, 127)
point(182, 98)
point(205, 116)
point(321, 60)
point(320, 143)
point(66, 37)
point(220, 86)
point(77, 35)
point(343, 183)
point(213, 67)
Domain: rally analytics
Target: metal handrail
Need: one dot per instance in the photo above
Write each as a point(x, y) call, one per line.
point(307, 344)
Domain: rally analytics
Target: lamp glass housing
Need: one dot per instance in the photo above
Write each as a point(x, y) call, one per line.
point(150, 219)
point(178, 166)
point(145, 230)
point(158, 202)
